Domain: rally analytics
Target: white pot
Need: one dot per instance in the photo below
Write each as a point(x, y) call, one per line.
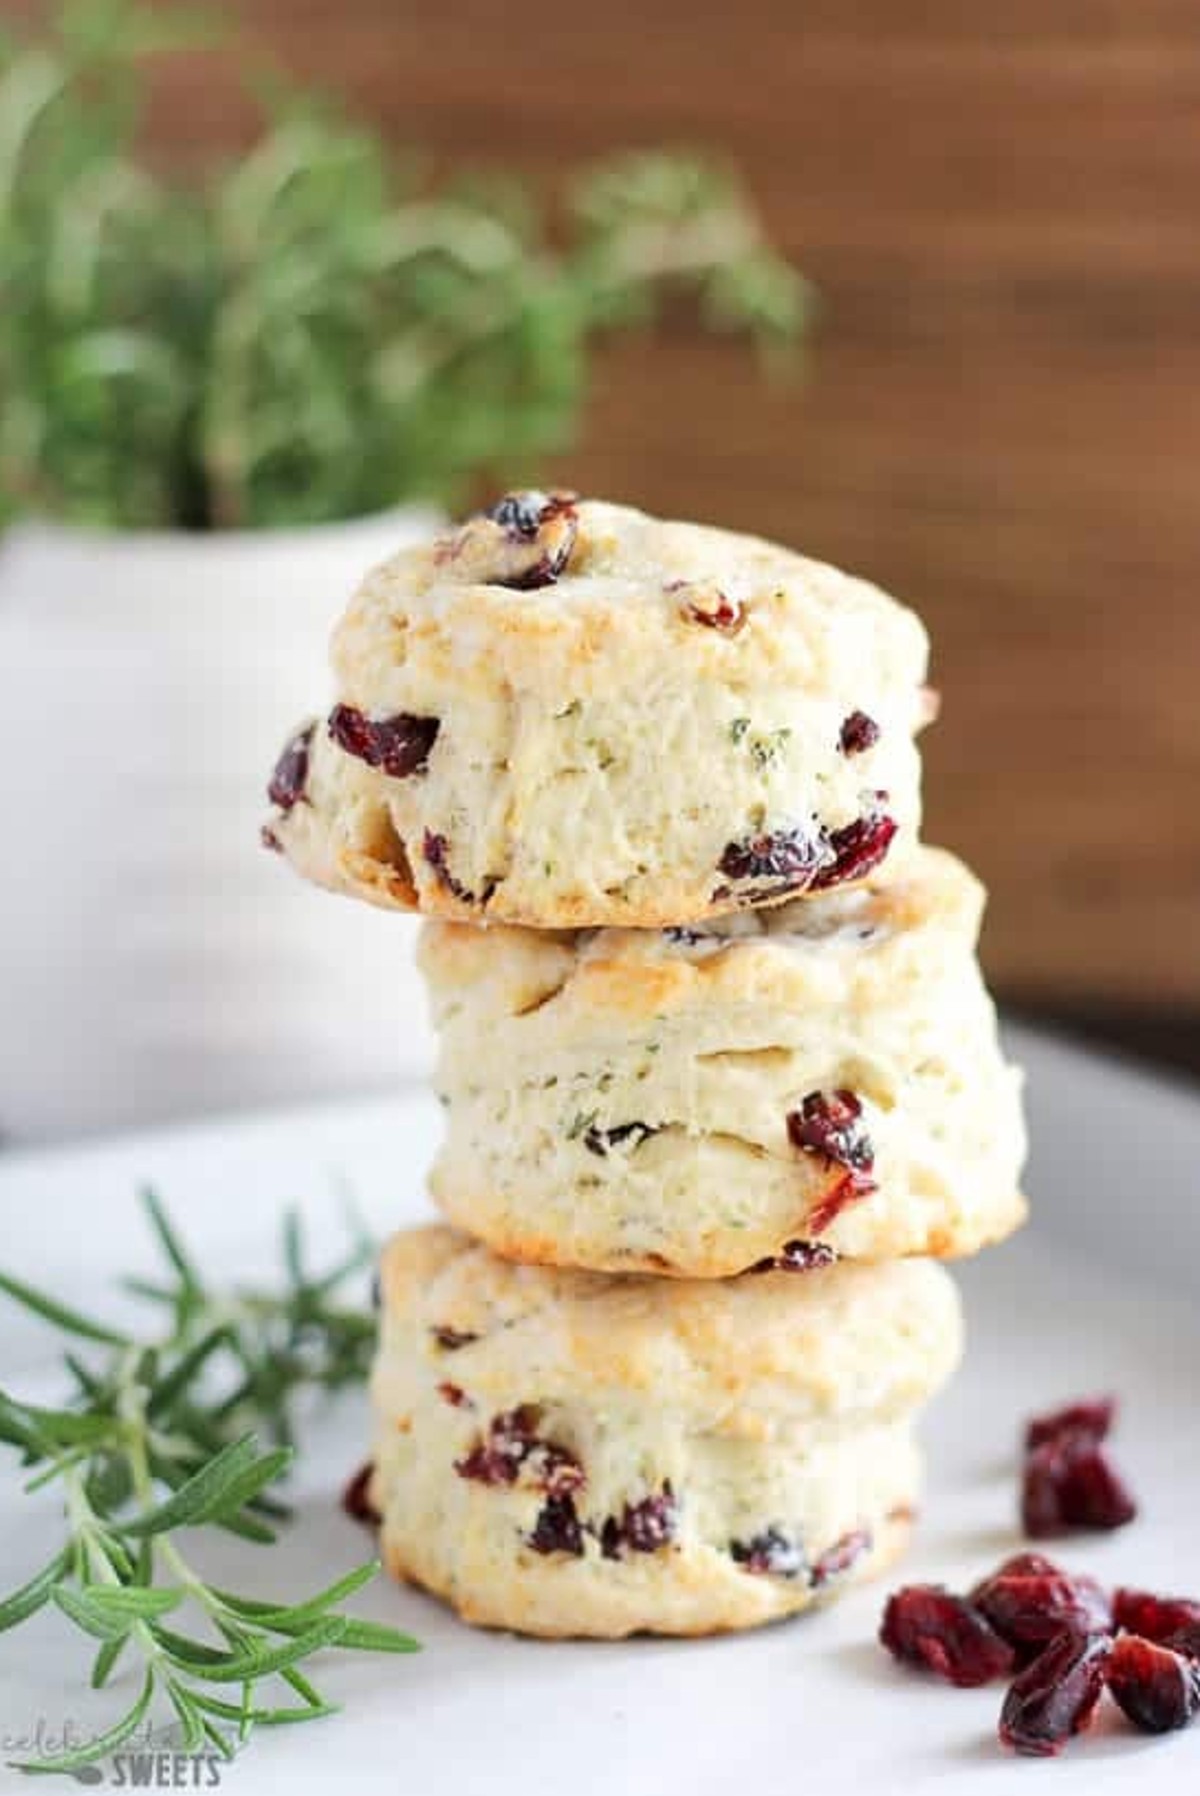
point(155, 962)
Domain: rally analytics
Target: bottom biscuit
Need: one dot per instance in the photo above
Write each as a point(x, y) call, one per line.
point(576, 1454)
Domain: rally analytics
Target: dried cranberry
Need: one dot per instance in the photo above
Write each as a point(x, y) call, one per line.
point(499, 1456)
point(552, 1468)
point(1091, 1416)
point(451, 1339)
point(1024, 1565)
point(836, 1560)
point(770, 1554)
point(798, 1256)
point(355, 1499)
point(829, 1123)
point(856, 850)
point(521, 513)
point(539, 531)
point(513, 1449)
point(1056, 1695)
point(704, 604)
point(1028, 1601)
point(557, 1528)
point(797, 860)
point(859, 733)
point(454, 1395)
point(1154, 1617)
point(928, 1626)
point(1159, 1690)
point(848, 1189)
point(600, 1141)
point(642, 1527)
point(1070, 1482)
point(436, 849)
point(1185, 1640)
point(290, 777)
point(788, 859)
point(269, 839)
point(399, 746)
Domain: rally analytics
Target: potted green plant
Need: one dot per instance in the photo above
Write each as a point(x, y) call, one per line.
point(220, 400)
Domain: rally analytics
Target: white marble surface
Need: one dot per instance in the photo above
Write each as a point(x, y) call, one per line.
point(1100, 1291)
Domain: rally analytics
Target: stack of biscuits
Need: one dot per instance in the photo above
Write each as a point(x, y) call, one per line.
point(721, 1077)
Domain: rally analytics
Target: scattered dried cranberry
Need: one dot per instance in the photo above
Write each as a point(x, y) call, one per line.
point(1091, 1416)
point(642, 1527)
point(355, 1500)
point(512, 1449)
point(1070, 1482)
point(451, 1339)
point(928, 1626)
point(1154, 1617)
point(1159, 1690)
point(398, 746)
point(856, 850)
point(770, 1554)
point(859, 733)
point(1056, 1696)
point(290, 777)
point(557, 1528)
point(454, 1395)
point(788, 860)
point(706, 604)
point(600, 1141)
point(1028, 1601)
point(798, 1256)
point(836, 1560)
point(1185, 1640)
point(1023, 1565)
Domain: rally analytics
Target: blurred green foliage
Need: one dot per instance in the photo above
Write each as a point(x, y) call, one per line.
point(315, 332)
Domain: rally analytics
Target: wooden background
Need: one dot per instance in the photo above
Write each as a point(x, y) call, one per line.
point(1001, 207)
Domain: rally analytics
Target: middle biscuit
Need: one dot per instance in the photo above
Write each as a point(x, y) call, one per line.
point(824, 1078)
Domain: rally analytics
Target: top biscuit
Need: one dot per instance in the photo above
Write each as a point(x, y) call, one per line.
point(568, 714)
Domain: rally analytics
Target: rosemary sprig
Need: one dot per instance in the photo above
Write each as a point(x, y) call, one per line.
point(163, 1434)
point(320, 329)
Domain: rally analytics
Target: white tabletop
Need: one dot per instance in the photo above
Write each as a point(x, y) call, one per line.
point(1099, 1292)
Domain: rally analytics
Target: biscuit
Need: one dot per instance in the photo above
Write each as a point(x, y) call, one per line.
point(573, 1453)
point(693, 1101)
point(570, 714)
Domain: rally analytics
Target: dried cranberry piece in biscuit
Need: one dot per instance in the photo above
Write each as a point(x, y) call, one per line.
point(859, 733)
point(856, 850)
point(786, 860)
point(772, 1554)
point(701, 603)
point(290, 778)
point(398, 746)
point(642, 1527)
point(523, 542)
